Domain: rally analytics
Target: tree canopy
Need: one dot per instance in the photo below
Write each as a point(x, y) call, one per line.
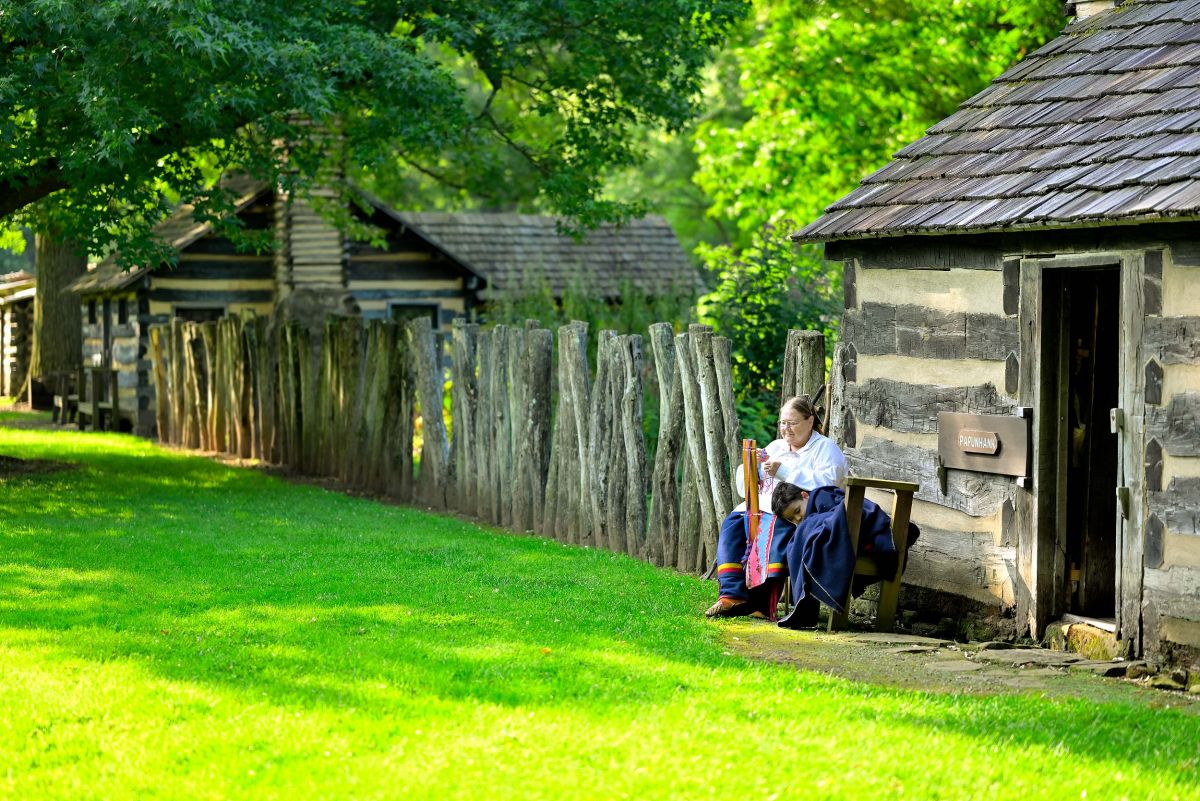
point(829, 89)
point(824, 91)
point(112, 110)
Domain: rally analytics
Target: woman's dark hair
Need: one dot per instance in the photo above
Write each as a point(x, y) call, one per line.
point(785, 495)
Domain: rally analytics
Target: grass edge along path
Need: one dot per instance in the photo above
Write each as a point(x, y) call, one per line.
point(171, 627)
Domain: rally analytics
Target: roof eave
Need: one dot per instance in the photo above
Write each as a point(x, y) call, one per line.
point(800, 238)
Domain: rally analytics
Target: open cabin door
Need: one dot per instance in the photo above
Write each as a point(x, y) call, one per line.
point(1078, 524)
point(1086, 348)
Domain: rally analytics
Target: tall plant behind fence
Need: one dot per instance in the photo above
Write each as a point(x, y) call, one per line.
point(538, 442)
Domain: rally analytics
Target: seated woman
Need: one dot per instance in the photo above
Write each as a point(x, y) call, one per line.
point(802, 457)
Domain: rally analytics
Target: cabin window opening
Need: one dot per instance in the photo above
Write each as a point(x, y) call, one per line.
point(402, 312)
point(199, 314)
point(91, 312)
point(122, 311)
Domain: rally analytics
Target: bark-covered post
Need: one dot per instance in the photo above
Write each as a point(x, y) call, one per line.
point(307, 414)
point(213, 438)
point(514, 414)
point(803, 364)
point(558, 445)
point(196, 386)
point(840, 428)
point(485, 437)
point(177, 381)
point(723, 366)
point(353, 442)
point(463, 404)
point(663, 528)
point(635, 446)
point(400, 413)
point(498, 422)
point(688, 556)
point(159, 342)
point(571, 459)
point(253, 351)
point(323, 419)
point(612, 496)
point(268, 412)
point(696, 450)
point(223, 386)
point(435, 450)
point(244, 387)
point(720, 474)
point(577, 377)
point(288, 397)
point(599, 431)
point(534, 441)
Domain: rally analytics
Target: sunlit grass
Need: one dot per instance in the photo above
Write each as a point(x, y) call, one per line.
point(170, 627)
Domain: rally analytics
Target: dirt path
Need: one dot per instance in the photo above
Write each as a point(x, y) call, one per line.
point(940, 666)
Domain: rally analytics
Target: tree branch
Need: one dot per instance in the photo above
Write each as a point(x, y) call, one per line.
point(16, 195)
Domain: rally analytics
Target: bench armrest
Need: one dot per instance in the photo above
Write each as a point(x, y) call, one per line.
point(882, 483)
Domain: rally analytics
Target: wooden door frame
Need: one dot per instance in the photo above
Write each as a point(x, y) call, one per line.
point(1041, 565)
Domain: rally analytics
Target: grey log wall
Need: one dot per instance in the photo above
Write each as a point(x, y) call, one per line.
point(537, 442)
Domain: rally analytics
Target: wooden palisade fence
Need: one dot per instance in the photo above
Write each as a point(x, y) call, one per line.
point(346, 406)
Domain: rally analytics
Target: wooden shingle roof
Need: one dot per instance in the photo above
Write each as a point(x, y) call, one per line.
point(16, 286)
point(1099, 126)
point(179, 230)
point(520, 251)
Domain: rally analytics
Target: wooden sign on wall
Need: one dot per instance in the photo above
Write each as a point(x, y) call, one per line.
point(985, 443)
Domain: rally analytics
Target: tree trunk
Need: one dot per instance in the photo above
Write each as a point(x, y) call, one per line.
point(57, 338)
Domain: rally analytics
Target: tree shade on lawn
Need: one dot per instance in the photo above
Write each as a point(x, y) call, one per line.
point(172, 627)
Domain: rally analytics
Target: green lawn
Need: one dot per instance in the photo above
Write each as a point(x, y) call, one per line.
point(170, 627)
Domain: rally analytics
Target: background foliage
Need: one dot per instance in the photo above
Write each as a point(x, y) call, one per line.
point(112, 110)
point(826, 91)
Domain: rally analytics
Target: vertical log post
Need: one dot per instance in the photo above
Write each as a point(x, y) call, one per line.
point(505, 389)
point(803, 364)
point(463, 405)
point(160, 342)
point(400, 413)
point(723, 365)
point(308, 420)
point(579, 397)
point(596, 500)
point(558, 444)
point(663, 529)
point(534, 442)
point(635, 446)
point(435, 450)
point(213, 438)
point(696, 448)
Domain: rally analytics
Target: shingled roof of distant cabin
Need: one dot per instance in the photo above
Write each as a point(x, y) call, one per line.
point(16, 286)
point(179, 230)
point(1099, 126)
point(519, 251)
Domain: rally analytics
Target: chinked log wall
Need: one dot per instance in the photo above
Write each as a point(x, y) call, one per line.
point(1171, 554)
point(919, 338)
point(347, 407)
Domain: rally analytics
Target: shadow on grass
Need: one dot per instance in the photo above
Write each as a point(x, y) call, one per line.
point(201, 573)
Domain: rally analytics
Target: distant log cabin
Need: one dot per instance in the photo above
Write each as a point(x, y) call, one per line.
point(440, 266)
point(16, 330)
point(1036, 257)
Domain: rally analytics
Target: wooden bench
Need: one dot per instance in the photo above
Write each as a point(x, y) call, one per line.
point(99, 401)
point(66, 398)
point(889, 592)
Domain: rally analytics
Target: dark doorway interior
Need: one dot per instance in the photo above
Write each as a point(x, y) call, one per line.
point(1089, 386)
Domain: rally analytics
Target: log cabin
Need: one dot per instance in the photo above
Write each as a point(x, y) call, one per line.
point(16, 330)
point(443, 266)
point(1021, 333)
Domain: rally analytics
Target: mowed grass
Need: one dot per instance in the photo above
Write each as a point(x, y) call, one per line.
point(174, 628)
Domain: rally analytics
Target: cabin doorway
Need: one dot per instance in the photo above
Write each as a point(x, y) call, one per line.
point(1086, 342)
